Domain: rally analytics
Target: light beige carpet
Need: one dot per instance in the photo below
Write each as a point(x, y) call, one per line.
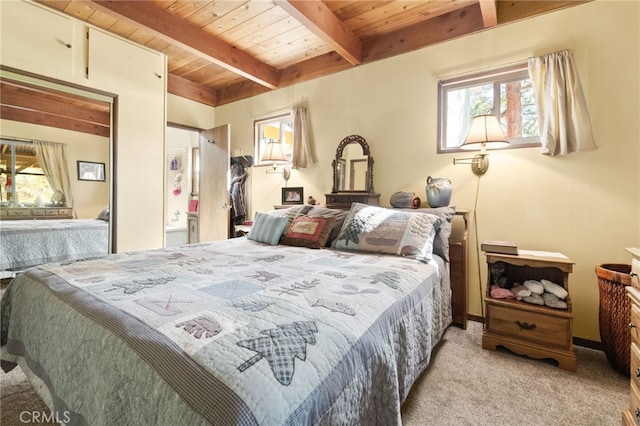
point(465, 385)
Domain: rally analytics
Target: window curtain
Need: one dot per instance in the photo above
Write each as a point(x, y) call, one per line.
point(302, 156)
point(53, 160)
point(563, 117)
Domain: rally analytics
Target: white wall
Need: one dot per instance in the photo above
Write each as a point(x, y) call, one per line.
point(89, 198)
point(585, 205)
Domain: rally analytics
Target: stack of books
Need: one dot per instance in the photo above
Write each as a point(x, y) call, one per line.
point(500, 247)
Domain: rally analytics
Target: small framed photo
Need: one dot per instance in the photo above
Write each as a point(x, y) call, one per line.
point(88, 170)
point(292, 195)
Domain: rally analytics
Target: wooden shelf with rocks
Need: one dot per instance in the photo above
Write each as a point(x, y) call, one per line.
point(537, 326)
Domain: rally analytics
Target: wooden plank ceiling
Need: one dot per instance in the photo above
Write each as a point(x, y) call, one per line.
point(223, 51)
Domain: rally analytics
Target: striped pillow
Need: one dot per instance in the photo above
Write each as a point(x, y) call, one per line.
point(267, 228)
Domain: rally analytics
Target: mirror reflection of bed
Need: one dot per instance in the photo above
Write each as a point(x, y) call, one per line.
point(42, 219)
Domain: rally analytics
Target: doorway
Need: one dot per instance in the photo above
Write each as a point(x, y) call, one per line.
point(196, 184)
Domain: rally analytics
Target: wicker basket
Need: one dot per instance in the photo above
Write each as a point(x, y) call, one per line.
point(615, 314)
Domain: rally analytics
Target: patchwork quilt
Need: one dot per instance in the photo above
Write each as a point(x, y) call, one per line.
point(229, 332)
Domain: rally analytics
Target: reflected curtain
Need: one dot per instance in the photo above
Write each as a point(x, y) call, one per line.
point(563, 116)
point(53, 160)
point(302, 156)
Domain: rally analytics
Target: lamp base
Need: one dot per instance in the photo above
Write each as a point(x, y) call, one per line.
point(480, 164)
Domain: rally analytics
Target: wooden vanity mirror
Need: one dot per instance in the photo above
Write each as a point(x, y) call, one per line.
point(353, 166)
point(352, 174)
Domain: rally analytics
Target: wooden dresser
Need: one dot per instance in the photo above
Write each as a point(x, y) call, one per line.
point(15, 213)
point(631, 416)
point(343, 200)
point(528, 329)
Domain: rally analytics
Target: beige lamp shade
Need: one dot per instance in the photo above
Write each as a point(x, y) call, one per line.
point(273, 151)
point(485, 133)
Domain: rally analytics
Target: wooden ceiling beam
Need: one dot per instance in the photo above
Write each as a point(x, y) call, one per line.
point(319, 19)
point(15, 95)
point(509, 11)
point(489, 12)
point(178, 31)
point(182, 87)
point(51, 120)
point(441, 28)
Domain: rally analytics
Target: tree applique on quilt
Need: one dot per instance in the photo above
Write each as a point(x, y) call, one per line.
point(281, 346)
point(135, 286)
point(201, 326)
point(264, 276)
point(297, 288)
point(388, 278)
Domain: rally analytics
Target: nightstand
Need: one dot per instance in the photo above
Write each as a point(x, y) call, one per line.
point(527, 329)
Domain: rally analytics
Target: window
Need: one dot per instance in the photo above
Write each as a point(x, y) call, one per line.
point(506, 93)
point(21, 178)
point(273, 139)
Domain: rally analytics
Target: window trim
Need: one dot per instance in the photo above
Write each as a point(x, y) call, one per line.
point(257, 143)
point(499, 75)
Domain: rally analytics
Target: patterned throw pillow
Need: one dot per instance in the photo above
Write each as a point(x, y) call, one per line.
point(441, 240)
point(267, 228)
point(307, 231)
point(380, 230)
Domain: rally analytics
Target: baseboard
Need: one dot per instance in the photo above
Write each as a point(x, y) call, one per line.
point(577, 341)
point(591, 344)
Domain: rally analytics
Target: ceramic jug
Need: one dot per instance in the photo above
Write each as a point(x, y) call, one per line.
point(438, 192)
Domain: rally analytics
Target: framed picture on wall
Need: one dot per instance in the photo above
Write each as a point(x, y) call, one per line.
point(292, 195)
point(88, 170)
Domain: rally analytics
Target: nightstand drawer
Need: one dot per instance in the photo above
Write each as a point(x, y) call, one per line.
point(529, 326)
point(635, 366)
point(635, 319)
point(635, 272)
point(634, 403)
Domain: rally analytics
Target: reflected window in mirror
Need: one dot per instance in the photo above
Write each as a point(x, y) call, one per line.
point(273, 139)
point(22, 180)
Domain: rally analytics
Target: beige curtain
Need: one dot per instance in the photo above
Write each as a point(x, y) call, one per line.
point(302, 156)
point(563, 116)
point(53, 160)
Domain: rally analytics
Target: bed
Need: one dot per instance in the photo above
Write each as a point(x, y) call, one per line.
point(25, 243)
point(243, 331)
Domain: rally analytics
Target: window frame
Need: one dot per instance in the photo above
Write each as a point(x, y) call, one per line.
point(12, 172)
point(496, 76)
point(259, 144)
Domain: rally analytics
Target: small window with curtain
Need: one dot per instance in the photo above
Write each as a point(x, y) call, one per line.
point(273, 139)
point(506, 93)
point(21, 177)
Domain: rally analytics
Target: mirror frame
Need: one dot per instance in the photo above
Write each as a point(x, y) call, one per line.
point(365, 151)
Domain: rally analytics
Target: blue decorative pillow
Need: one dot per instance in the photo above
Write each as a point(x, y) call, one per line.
point(267, 228)
point(380, 230)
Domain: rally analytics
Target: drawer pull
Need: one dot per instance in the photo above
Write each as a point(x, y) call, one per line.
point(638, 372)
point(632, 325)
point(634, 275)
point(525, 325)
point(637, 415)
